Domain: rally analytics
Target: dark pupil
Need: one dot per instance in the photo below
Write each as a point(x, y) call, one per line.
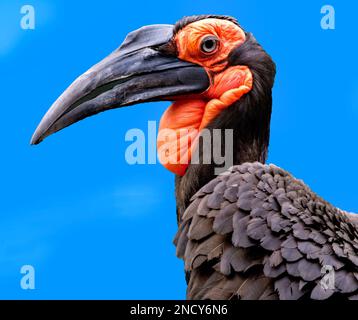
point(209, 45)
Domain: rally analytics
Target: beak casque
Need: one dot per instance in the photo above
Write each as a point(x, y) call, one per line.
point(136, 72)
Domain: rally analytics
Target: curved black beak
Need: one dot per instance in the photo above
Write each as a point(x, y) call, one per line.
point(136, 72)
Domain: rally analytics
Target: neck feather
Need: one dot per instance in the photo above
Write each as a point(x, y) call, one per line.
point(249, 119)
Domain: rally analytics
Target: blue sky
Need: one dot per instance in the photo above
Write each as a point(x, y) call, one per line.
point(95, 227)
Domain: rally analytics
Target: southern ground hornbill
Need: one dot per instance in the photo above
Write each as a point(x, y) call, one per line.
point(254, 231)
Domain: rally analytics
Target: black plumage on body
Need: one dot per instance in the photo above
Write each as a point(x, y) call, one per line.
point(259, 233)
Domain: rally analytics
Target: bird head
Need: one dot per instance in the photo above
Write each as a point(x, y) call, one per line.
point(215, 73)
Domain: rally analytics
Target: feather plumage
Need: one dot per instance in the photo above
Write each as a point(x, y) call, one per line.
point(250, 246)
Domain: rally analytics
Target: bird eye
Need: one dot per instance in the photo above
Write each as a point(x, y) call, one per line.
point(209, 44)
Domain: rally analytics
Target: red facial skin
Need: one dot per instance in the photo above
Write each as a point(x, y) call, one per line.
point(187, 117)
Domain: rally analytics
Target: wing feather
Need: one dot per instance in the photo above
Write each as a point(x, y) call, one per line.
point(258, 233)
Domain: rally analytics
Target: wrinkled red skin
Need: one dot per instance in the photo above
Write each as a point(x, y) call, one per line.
point(182, 122)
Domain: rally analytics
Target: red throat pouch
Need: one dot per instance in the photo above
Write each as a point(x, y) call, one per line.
point(183, 121)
